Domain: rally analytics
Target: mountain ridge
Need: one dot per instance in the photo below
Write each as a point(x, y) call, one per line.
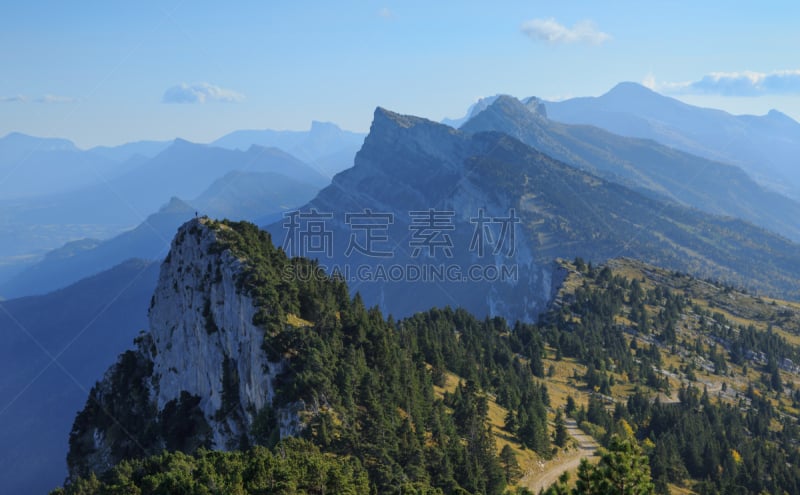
point(645, 166)
point(753, 142)
point(411, 164)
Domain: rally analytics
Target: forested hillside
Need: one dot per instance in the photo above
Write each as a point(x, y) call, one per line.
point(361, 384)
point(702, 375)
point(691, 381)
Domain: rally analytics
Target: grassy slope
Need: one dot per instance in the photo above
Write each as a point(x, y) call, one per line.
point(739, 309)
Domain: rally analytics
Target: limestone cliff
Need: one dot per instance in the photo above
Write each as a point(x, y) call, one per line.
point(199, 376)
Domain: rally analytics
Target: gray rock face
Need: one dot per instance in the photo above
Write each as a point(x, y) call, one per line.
point(202, 351)
point(410, 164)
point(200, 319)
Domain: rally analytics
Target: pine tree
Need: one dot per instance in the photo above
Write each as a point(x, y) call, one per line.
point(508, 459)
point(560, 435)
point(622, 470)
point(570, 407)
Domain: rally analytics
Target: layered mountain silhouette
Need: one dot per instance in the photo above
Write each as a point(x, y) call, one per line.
point(765, 146)
point(427, 216)
point(410, 165)
point(644, 165)
point(52, 192)
point(127, 151)
point(253, 196)
point(32, 166)
point(108, 207)
point(325, 146)
point(81, 259)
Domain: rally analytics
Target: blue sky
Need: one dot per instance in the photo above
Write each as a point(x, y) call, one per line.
point(101, 72)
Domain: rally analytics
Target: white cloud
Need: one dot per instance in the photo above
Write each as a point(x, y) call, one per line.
point(386, 13)
point(12, 99)
point(48, 98)
point(744, 83)
point(649, 81)
point(200, 93)
point(552, 32)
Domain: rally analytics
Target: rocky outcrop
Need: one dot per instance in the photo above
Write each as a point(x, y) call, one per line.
point(199, 377)
point(201, 325)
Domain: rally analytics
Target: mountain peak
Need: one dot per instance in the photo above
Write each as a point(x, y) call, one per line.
point(180, 145)
point(506, 114)
point(182, 142)
point(20, 141)
point(176, 205)
point(629, 88)
point(536, 106)
point(503, 99)
point(384, 116)
point(509, 106)
point(480, 105)
point(634, 95)
point(404, 134)
point(779, 116)
point(318, 126)
point(388, 122)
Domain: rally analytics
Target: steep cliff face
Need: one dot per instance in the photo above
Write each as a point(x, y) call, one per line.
point(199, 377)
point(409, 165)
point(204, 341)
point(499, 163)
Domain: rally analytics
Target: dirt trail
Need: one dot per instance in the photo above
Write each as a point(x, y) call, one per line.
point(547, 473)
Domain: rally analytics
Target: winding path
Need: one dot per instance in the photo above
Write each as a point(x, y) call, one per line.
point(547, 473)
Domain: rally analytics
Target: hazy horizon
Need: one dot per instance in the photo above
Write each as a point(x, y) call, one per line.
point(105, 75)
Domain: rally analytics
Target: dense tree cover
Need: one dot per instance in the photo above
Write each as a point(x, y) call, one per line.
point(367, 387)
point(724, 447)
point(365, 383)
point(292, 467)
point(728, 449)
point(374, 379)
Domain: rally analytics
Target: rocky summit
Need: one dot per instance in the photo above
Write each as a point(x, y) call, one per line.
point(200, 373)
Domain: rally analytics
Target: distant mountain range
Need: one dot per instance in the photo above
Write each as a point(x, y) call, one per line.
point(326, 147)
point(766, 146)
point(254, 196)
point(409, 164)
point(50, 190)
point(36, 166)
point(642, 164)
point(136, 150)
point(108, 207)
point(39, 166)
point(431, 196)
point(81, 259)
